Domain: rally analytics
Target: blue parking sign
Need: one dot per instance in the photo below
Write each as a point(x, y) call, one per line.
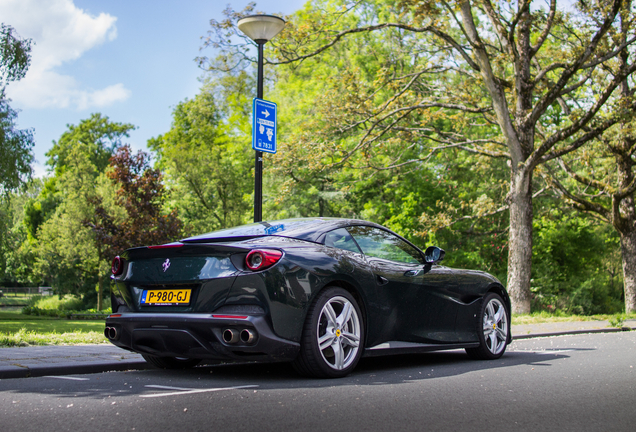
point(264, 126)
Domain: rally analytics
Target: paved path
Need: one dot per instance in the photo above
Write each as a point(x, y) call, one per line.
point(78, 359)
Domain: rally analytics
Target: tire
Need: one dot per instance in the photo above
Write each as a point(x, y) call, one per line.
point(171, 362)
point(493, 329)
point(333, 336)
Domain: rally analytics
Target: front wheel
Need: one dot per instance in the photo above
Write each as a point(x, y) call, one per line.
point(493, 329)
point(332, 340)
point(171, 362)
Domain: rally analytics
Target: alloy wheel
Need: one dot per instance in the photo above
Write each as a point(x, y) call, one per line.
point(338, 333)
point(495, 326)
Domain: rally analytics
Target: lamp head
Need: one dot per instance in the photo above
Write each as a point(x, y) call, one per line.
point(261, 28)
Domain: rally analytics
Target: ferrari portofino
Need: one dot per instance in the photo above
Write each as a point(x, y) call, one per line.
point(318, 292)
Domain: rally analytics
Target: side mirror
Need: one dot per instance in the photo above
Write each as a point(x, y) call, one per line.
point(433, 254)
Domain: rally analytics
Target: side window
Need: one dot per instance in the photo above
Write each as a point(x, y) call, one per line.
point(341, 239)
point(382, 244)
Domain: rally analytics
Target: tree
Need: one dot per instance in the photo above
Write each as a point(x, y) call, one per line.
point(603, 174)
point(140, 194)
point(15, 55)
point(15, 149)
point(15, 144)
point(69, 255)
point(207, 163)
point(510, 80)
point(101, 136)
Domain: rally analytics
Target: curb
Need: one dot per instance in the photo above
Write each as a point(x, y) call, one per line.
point(573, 332)
point(71, 369)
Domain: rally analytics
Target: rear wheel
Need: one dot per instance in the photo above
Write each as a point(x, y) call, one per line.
point(333, 336)
point(493, 329)
point(171, 362)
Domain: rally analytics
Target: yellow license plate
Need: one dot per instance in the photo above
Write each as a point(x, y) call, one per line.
point(169, 297)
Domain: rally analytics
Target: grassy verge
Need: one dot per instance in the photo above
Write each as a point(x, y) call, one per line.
point(24, 338)
point(24, 330)
point(545, 317)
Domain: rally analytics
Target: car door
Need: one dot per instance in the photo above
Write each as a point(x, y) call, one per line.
point(409, 294)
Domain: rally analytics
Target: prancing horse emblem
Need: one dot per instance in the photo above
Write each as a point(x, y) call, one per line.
point(165, 265)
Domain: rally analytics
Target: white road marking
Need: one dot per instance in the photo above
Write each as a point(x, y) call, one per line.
point(543, 352)
point(167, 387)
point(193, 391)
point(67, 378)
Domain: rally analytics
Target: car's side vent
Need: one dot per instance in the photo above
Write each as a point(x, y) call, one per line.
point(381, 280)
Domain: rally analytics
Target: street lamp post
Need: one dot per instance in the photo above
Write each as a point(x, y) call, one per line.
point(261, 29)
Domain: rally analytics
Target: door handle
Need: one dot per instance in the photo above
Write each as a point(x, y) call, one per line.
point(412, 272)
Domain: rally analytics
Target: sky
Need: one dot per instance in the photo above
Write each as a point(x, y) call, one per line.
point(132, 61)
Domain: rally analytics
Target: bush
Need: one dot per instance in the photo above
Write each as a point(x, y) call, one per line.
point(68, 314)
point(56, 307)
point(575, 266)
point(55, 303)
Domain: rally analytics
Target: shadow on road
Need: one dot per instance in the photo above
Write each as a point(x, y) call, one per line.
point(377, 371)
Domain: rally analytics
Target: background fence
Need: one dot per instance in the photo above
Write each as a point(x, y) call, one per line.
point(25, 291)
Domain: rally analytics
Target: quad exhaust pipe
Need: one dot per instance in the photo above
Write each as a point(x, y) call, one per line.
point(230, 336)
point(233, 336)
point(247, 336)
point(111, 333)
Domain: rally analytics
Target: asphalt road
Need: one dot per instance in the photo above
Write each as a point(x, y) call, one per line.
point(577, 383)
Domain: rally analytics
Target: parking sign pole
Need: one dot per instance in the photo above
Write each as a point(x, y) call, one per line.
point(258, 158)
point(261, 28)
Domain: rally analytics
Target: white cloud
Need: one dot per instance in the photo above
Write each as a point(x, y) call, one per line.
point(62, 33)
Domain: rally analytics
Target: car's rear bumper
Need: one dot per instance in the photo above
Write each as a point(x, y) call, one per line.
point(198, 336)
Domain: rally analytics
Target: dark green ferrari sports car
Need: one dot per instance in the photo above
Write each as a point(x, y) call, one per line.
point(317, 292)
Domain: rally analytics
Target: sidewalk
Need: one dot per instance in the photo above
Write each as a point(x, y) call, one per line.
point(82, 359)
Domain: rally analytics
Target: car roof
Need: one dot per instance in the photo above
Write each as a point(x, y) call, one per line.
point(309, 229)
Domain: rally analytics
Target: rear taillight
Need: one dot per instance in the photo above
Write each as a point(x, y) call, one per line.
point(260, 259)
point(118, 266)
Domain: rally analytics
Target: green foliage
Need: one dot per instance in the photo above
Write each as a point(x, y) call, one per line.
point(16, 255)
point(100, 136)
point(15, 144)
point(62, 307)
point(208, 162)
point(618, 320)
point(67, 302)
point(66, 313)
point(54, 244)
point(41, 207)
point(15, 148)
point(576, 265)
point(15, 55)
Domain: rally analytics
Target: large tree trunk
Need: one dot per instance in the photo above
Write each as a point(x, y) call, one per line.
point(628, 249)
point(520, 241)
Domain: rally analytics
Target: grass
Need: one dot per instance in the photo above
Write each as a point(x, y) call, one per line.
point(24, 330)
point(12, 299)
point(23, 338)
point(546, 317)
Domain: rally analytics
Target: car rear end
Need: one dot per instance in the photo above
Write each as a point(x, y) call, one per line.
point(170, 301)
